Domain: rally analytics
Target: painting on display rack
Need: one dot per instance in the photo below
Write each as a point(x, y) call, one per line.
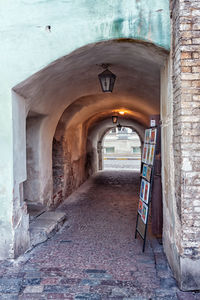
point(151, 154)
point(153, 136)
point(143, 211)
point(148, 154)
point(148, 157)
point(144, 191)
point(146, 172)
point(147, 136)
point(144, 153)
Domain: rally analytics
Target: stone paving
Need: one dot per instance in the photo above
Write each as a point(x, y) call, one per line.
point(95, 256)
point(122, 164)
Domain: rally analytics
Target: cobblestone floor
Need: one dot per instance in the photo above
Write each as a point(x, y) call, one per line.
point(95, 255)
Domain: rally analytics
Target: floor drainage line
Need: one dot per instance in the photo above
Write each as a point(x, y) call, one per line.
point(150, 243)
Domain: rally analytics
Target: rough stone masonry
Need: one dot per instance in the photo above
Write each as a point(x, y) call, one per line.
point(185, 16)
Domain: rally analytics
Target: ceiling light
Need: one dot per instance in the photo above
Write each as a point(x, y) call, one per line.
point(107, 79)
point(114, 119)
point(119, 127)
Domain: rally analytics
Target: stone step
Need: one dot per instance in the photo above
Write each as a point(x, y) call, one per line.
point(45, 225)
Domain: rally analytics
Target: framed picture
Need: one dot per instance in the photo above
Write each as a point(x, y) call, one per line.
point(153, 135)
point(146, 192)
point(142, 189)
point(144, 171)
point(148, 153)
point(148, 174)
point(140, 207)
point(144, 213)
point(152, 151)
point(144, 153)
point(147, 136)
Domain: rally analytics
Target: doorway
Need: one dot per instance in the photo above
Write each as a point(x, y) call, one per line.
point(121, 149)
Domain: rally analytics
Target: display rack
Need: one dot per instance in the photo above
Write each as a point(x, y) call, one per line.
point(146, 185)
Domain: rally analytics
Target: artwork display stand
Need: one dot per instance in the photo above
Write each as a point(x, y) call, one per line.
point(146, 185)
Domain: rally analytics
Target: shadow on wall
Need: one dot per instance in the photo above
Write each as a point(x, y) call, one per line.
point(32, 186)
point(91, 159)
point(68, 162)
point(58, 171)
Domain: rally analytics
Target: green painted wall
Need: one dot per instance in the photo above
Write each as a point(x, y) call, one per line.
point(74, 23)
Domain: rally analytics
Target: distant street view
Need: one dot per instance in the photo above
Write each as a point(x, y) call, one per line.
point(122, 164)
point(122, 150)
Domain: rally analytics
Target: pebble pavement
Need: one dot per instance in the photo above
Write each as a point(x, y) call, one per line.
point(95, 255)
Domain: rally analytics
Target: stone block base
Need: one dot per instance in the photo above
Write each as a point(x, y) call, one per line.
point(190, 274)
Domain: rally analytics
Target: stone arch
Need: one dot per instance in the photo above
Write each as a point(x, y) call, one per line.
point(52, 94)
point(97, 133)
point(71, 167)
point(133, 127)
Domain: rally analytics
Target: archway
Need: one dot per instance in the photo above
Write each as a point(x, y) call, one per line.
point(72, 121)
point(98, 131)
point(121, 147)
point(77, 154)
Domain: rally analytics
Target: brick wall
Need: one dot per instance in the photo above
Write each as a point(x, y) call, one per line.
point(186, 83)
point(186, 122)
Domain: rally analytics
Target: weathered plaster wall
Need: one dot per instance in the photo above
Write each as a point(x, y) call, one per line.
point(186, 139)
point(73, 24)
point(69, 155)
point(32, 185)
point(171, 220)
point(20, 218)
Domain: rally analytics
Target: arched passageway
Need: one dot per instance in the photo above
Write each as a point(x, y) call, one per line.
point(65, 124)
point(59, 113)
point(98, 131)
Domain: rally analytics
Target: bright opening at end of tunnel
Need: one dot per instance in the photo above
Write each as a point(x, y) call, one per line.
point(122, 149)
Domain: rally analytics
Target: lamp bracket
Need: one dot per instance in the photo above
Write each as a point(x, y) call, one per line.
point(104, 65)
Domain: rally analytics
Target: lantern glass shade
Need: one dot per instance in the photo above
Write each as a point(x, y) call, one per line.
point(107, 81)
point(119, 127)
point(114, 119)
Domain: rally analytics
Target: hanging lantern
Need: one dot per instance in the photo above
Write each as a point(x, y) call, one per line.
point(114, 119)
point(119, 127)
point(107, 81)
